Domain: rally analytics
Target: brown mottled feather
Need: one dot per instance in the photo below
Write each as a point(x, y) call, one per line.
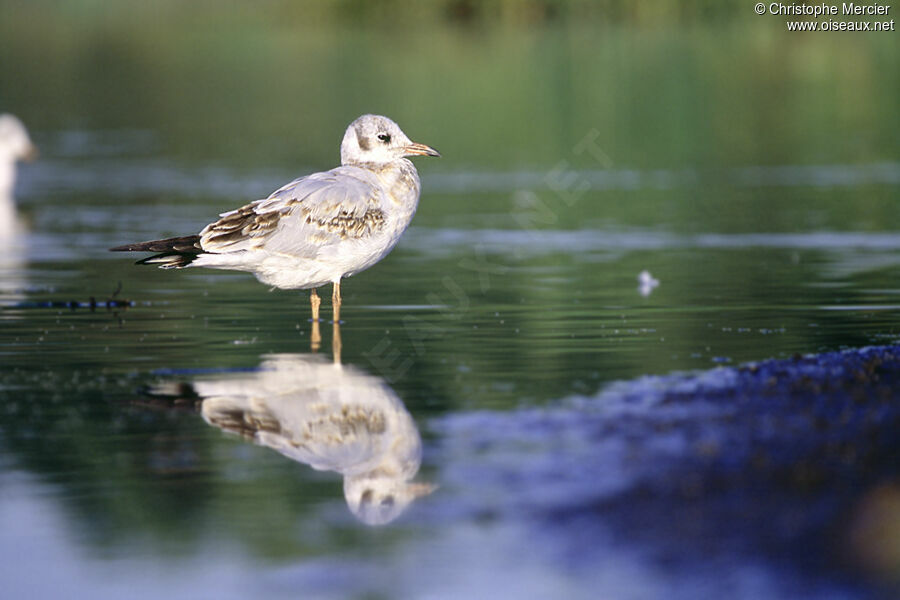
point(241, 225)
point(350, 225)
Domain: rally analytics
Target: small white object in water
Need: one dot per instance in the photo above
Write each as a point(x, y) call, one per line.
point(646, 283)
point(317, 229)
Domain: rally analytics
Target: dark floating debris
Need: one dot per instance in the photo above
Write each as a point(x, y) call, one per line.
point(112, 302)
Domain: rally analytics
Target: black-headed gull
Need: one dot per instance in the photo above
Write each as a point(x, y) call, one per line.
point(317, 229)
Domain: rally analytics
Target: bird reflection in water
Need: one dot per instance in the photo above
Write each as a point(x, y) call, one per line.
point(328, 415)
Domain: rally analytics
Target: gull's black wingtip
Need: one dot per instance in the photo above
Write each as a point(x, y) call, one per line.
point(187, 244)
point(171, 253)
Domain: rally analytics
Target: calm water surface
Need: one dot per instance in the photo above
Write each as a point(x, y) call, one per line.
point(116, 457)
point(129, 394)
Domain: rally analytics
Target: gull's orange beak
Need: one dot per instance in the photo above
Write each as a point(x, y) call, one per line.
point(31, 154)
point(420, 150)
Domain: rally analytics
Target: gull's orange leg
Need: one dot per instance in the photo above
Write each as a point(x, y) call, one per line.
point(315, 338)
point(336, 301)
point(315, 302)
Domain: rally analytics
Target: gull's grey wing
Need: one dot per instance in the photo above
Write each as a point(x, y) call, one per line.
point(303, 216)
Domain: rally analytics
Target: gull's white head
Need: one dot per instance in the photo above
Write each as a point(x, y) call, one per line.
point(373, 139)
point(14, 141)
point(379, 498)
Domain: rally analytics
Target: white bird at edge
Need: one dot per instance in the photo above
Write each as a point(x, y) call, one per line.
point(15, 145)
point(316, 229)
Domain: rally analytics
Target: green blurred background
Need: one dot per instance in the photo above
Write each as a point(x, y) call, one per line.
point(498, 84)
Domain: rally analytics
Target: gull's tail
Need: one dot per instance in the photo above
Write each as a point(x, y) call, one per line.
point(173, 253)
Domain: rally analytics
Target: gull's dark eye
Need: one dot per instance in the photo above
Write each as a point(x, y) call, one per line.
point(384, 137)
